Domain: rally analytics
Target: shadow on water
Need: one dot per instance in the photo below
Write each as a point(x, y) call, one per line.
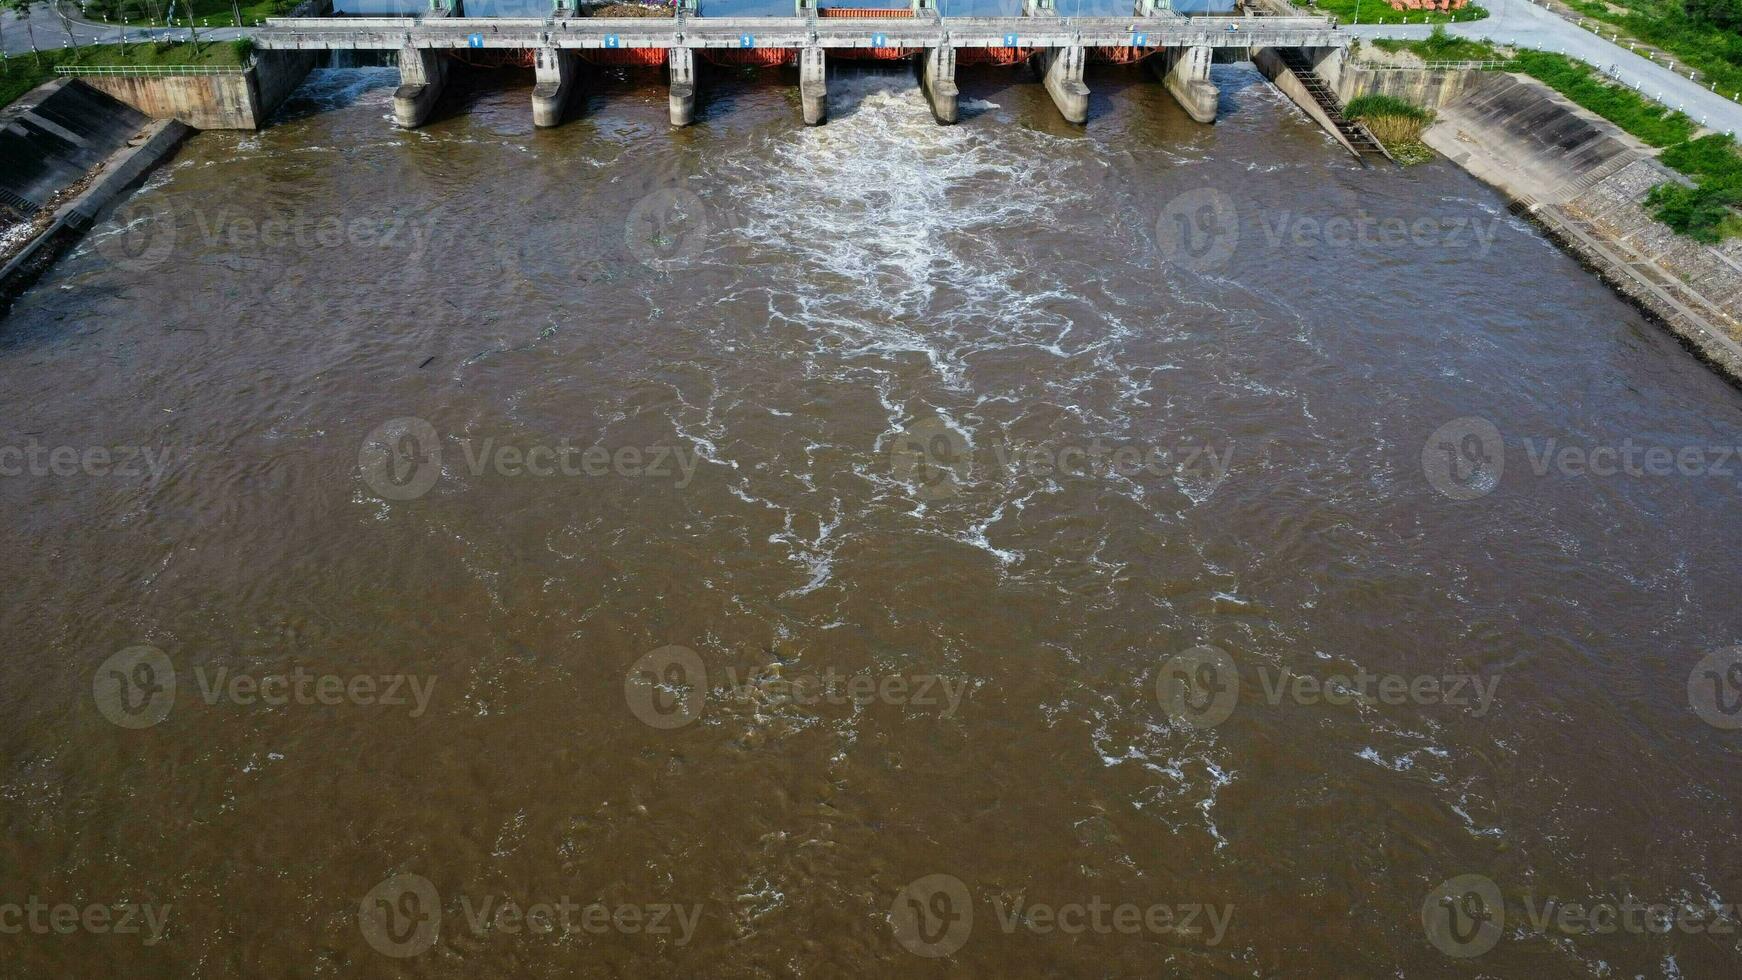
point(330, 89)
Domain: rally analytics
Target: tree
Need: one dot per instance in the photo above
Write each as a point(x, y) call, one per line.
point(23, 9)
point(1723, 14)
point(65, 24)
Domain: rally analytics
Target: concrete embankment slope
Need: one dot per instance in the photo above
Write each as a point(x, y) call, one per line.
point(53, 136)
point(75, 206)
point(1585, 181)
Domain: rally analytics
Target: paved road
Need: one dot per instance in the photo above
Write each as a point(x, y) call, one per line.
point(1528, 25)
point(50, 34)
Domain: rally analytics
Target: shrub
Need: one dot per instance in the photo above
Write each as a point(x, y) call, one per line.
point(1702, 213)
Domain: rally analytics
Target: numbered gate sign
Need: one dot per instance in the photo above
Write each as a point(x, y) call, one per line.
point(474, 40)
point(610, 40)
point(746, 41)
point(1140, 40)
point(1010, 40)
point(880, 40)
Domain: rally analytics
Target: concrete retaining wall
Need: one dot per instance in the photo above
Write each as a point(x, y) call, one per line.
point(243, 100)
point(1430, 89)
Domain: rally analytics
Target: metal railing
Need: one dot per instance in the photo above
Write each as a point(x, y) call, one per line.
point(1432, 66)
point(150, 69)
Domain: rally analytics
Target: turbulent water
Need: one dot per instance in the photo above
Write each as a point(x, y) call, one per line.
point(755, 550)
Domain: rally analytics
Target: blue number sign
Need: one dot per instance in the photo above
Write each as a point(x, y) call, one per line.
point(880, 40)
point(610, 40)
point(746, 41)
point(474, 40)
point(1010, 40)
point(1140, 40)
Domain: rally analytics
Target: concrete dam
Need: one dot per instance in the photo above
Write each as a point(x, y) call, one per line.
point(1297, 53)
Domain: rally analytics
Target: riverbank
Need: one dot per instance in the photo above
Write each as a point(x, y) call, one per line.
point(1585, 181)
point(75, 207)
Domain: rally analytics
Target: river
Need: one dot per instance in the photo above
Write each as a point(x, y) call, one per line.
point(780, 548)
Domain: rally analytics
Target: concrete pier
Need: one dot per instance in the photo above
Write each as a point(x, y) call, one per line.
point(555, 79)
point(422, 72)
point(1062, 70)
point(937, 79)
point(813, 86)
point(682, 62)
point(1185, 72)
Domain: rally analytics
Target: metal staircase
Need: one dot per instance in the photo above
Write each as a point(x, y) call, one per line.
point(1363, 143)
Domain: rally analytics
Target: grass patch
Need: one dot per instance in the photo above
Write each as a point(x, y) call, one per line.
point(20, 73)
point(1442, 46)
point(1380, 12)
point(207, 13)
point(1622, 106)
point(1394, 122)
point(1710, 159)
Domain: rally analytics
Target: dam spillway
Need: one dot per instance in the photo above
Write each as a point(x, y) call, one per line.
point(1179, 49)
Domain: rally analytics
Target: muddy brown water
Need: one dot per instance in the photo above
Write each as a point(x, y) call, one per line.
point(663, 534)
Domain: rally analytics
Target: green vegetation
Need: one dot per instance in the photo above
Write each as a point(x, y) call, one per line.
point(1704, 211)
point(1620, 105)
point(1394, 122)
point(1712, 159)
point(22, 72)
point(1706, 34)
point(19, 75)
point(209, 13)
point(1380, 12)
point(1442, 46)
